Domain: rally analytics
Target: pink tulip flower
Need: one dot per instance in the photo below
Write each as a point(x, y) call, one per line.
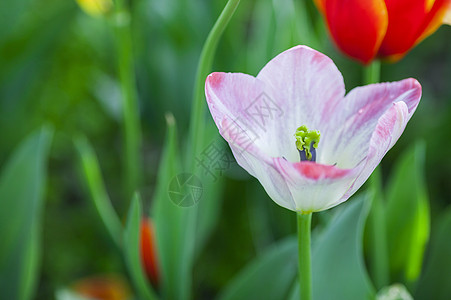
point(259, 117)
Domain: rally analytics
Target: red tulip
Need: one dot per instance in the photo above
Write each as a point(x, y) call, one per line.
point(366, 29)
point(148, 251)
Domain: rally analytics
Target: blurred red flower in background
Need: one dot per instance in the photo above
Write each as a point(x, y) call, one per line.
point(102, 287)
point(148, 251)
point(366, 29)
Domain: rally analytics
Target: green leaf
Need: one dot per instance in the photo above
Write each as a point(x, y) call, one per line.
point(11, 14)
point(22, 52)
point(434, 282)
point(307, 25)
point(338, 268)
point(407, 215)
point(132, 250)
point(270, 276)
point(174, 225)
point(96, 186)
point(22, 185)
point(260, 45)
point(337, 256)
point(209, 206)
point(274, 274)
point(286, 35)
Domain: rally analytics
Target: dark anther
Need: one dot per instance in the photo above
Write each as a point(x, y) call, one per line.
point(303, 156)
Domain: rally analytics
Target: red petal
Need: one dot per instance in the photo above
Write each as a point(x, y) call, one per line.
point(357, 26)
point(410, 21)
point(312, 170)
point(435, 18)
point(148, 251)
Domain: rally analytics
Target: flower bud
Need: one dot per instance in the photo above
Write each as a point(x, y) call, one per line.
point(148, 251)
point(369, 29)
point(96, 7)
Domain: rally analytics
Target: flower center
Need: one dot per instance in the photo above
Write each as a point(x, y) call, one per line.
point(307, 142)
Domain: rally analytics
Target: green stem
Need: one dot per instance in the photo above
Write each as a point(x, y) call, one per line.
point(304, 255)
point(205, 63)
point(131, 122)
point(376, 220)
point(372, 72)
point(378, 258)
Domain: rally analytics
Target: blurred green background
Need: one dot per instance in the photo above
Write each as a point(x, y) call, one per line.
point(58, 66)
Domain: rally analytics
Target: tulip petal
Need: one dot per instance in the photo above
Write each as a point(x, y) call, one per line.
point(305, 84)
point(439, 14)
point(388, 130)
point(357, 26)
point(409, 23)
point(373, 118)
point(298, 87)
point(402, 99)
point(315, 187)
point(358, 117)
point(269, 177)
point(148, 250)
point(256, 162)
point(405, 18)
point(240, 99)
point(229, 96)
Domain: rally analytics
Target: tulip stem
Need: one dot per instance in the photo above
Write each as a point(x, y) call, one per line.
point(304, 255)
point(204, 67)
point(131, 121)
point(378, 258)
point(372, 72)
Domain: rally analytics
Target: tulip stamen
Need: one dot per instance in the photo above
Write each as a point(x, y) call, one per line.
point(307, 142)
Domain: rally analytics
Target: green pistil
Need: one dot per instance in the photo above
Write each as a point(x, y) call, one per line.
point(307, 141)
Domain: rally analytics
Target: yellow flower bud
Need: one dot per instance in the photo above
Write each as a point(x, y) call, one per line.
point(96, 7)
